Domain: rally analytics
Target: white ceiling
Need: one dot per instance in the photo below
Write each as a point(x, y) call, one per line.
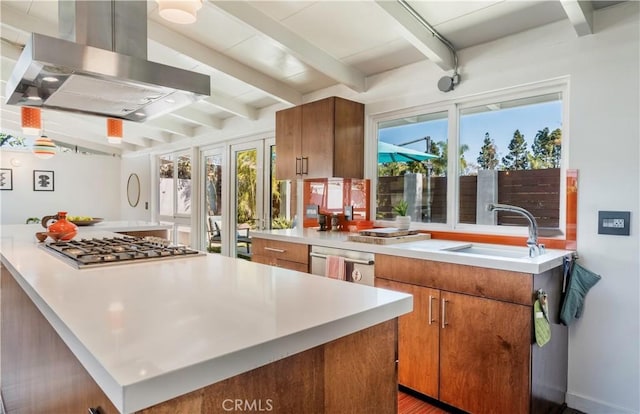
point(262, 53)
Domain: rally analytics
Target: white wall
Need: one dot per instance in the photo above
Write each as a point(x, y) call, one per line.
point(605, 344)
point(84, 185)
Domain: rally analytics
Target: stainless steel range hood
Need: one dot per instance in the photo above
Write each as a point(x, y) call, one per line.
point(103, 69)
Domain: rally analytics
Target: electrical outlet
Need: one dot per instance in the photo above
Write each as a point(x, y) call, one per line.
point(614, 222)
point(311, 211)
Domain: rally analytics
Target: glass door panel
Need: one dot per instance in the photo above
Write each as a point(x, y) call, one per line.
point(174, 195)
point(282, 195)
point(183, 185)
point(166, 187)
point(213, 205)
point(248, 193)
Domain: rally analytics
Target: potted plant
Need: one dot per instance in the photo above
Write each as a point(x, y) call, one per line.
point(403, 221)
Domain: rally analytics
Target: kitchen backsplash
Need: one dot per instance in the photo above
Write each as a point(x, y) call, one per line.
point(333, 194)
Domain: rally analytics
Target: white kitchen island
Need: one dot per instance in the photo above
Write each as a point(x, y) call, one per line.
point(147, 333)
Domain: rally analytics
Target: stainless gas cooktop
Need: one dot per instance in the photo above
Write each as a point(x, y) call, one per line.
point(89, 253)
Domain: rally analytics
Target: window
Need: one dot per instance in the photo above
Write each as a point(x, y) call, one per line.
point(510, 154)
point(508, 150)
point(412, 165)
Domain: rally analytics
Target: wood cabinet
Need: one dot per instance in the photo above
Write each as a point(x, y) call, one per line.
point(468, 341)
point(484, 354)
point(418, 338)
point(320, 139)
point(294, 256)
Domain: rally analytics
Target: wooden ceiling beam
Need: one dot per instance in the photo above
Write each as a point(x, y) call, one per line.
point(216, 60)
point(580, 14)
point(294, 44)
point(419, 36)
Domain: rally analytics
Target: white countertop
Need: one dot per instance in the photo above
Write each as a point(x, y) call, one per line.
point(434, 249)
point(148, 332)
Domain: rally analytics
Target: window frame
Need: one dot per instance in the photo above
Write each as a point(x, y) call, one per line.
point(453, 107)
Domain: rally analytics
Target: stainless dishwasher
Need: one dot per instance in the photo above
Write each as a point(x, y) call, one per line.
point(359, 265)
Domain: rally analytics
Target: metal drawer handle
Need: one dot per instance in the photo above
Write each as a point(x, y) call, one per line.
point(444, 313)
point(305, 170)
point(346, 259)
point(298, 169)
point(431, 320)
point(271, 249)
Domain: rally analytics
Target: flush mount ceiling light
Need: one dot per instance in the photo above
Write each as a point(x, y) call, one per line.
point(31, 120)
point(179, 11)
point(114, 130)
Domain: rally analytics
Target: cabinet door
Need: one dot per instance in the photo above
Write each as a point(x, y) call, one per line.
point(288, 142)
point(484, 354)
point(318, 138)
point(348, 139)
point(418, 338)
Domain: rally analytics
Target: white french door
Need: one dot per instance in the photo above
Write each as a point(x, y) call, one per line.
point(174, 195)
point(215, 189)
point(240, 195)
point(250, 192)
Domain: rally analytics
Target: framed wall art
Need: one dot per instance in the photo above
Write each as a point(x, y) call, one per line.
point(42, 180)
point(6, 179)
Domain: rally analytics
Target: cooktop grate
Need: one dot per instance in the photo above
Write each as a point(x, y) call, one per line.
point(96, 252)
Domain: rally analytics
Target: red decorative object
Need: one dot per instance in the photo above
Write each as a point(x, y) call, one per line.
point(31, 120)
point(66, 229)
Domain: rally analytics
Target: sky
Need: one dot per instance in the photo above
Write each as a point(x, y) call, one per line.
point(500, 125)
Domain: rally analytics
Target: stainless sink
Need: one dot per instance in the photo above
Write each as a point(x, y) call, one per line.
point(510, 252)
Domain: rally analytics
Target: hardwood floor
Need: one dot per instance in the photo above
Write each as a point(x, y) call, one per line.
point(408, 404)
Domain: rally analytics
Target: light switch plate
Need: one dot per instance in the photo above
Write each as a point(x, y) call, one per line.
point(614, 222)
point(311, 211)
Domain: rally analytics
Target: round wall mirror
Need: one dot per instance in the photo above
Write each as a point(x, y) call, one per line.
point(133, 190)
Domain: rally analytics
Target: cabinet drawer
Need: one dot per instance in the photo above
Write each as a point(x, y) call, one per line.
point(477, 281)
point(285, 264)
point(291, 252)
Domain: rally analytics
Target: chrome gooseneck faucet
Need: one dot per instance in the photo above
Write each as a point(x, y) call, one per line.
point(535, 249)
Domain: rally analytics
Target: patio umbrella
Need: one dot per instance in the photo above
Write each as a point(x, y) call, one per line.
point(394, 153)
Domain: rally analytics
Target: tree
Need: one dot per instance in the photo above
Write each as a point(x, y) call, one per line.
point(517, 157)
point(555, 140)
point(10, 140)
point(246, 181)
point(546, 149)
point(488, 160)
point(441, 149)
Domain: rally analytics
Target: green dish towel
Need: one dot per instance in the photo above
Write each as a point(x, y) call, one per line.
point(581, 280)
point(541, 323)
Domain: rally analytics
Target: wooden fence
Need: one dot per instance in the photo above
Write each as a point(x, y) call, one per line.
point(537, 191)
